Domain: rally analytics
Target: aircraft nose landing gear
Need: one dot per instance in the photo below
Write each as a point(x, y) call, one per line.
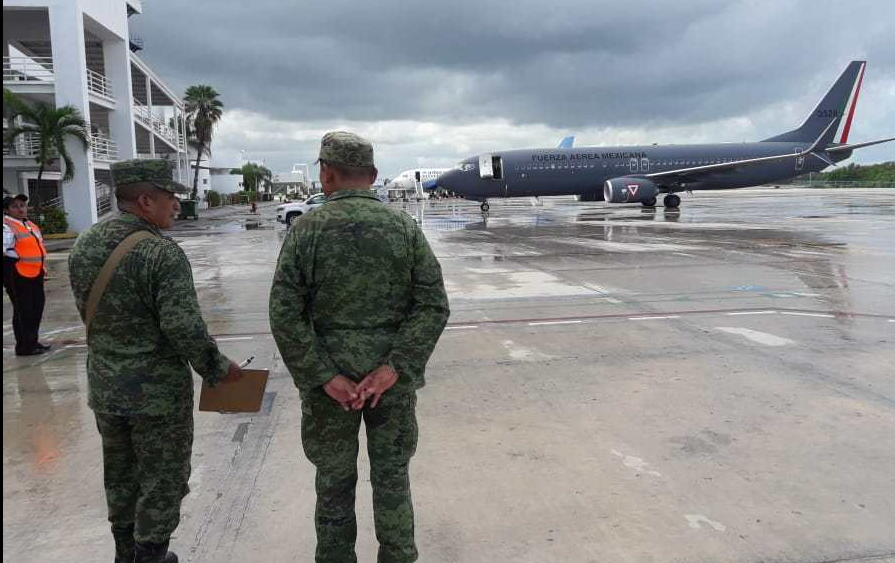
point(651, 202)
point(485, 207)
point(672, 201)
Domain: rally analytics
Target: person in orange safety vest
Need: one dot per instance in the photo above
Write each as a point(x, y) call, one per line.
point(24, 269)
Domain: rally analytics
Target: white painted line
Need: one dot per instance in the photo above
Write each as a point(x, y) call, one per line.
point(801, 294)
point(609, 300)
point(695, 521)
point(554, 323)
point(765, 338)
point(782, 295)
point(76, 346)
point(234, 338)
point(461, 327)
point(820, 315)
point(752, 313)
point(58, 330)
point(892, 320)
point(653, 318)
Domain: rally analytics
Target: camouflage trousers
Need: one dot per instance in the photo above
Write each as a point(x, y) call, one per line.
point(146, 466)
point(330, 440)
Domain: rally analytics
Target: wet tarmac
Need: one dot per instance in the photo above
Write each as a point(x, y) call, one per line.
point(615, 385)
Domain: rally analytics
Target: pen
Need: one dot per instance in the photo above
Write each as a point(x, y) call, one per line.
point(247, 362)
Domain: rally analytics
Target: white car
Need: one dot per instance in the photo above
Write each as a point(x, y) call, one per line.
point(289, 212)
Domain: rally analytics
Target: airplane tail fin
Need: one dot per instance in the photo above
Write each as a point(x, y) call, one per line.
point(838, 105)
point(567, 142)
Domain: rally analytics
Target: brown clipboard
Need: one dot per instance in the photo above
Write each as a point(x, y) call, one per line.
point(244, 395)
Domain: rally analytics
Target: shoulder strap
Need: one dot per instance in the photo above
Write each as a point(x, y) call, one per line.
point(108, 269)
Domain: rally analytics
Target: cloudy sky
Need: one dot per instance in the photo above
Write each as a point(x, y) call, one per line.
point(433, 82)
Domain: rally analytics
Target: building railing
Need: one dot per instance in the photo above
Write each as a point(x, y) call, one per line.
point(103, 148)
point(99, 84)
point(103, 198)
point(142, 113)
point(28, 69)
point(162, 129)
point(25, 145)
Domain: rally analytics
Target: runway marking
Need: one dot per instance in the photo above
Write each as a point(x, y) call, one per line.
point(543, 323)
point(461, 327)
point(657, 318)
point(765, 338)
point(612, 300)
point(695, 520)
point(635, 463)
point(801, 294)
point(58, 330)
point(752, 313)
point(76, 346)
point(234, 338)
point(892, 320)
point(820, 315)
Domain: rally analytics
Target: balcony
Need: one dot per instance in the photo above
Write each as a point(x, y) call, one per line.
point(99, 85)
point(26, 145)
point(28, 70)
point(103, 148)
point(156, 125)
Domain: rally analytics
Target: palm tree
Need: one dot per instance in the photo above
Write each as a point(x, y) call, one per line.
point(254, 176)
point(203, 111)
point(52, 126)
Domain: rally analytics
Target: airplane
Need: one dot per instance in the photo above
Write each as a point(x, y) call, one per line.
point(427, 176)
point(638, 174)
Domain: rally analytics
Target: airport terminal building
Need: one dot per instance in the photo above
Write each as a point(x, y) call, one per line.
point(80, 53)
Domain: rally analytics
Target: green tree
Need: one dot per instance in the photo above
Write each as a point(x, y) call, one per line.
point(254, 176)
point(203, 112)
point(52, 127)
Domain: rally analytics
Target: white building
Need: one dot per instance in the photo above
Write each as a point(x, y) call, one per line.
point(295, 182)
point(79, 53)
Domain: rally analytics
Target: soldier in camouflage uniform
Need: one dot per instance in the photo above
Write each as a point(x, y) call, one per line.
point(147, 332)
point(356, 308)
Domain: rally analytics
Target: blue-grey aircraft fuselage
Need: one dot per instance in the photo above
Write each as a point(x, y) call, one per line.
point(638, 174)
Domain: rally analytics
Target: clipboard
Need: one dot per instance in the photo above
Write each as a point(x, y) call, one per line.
point(244, 395)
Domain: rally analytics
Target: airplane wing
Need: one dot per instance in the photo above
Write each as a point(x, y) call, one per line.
point(698, 170)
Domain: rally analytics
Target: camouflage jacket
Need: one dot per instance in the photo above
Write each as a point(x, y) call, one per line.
point(356, 286)
point(148, 328)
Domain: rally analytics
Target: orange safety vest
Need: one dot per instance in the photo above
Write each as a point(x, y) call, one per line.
point(29, 247)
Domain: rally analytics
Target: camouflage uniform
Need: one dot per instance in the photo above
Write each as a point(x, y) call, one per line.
point(357, 287)
point(147, 331)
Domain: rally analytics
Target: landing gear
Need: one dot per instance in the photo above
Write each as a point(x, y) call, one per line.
point(485, 207)
point(651, 202)
point(672, 201)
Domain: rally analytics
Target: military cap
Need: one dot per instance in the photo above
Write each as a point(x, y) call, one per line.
point(7, 200)
point(347, 149)
point(156, 171)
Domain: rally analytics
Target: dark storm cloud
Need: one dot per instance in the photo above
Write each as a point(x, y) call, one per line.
point(570, 65)
point(573, 64)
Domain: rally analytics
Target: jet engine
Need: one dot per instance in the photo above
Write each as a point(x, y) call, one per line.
point(629, 190)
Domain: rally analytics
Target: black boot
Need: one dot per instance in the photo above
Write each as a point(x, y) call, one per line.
point(124, 543)
point(154, 553)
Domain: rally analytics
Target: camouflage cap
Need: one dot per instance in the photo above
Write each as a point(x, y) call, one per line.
point(156, 171)
point(347, 149)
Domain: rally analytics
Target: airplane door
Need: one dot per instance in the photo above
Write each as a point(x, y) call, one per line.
point(485, 169)
point(800, 161)
point(644, 165)
point(633, 164)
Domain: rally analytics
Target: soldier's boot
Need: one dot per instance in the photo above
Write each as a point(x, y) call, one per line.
point(125, 547)
point(154, 553)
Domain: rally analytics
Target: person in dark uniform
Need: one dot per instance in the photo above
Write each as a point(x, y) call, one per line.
point(24, 269)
